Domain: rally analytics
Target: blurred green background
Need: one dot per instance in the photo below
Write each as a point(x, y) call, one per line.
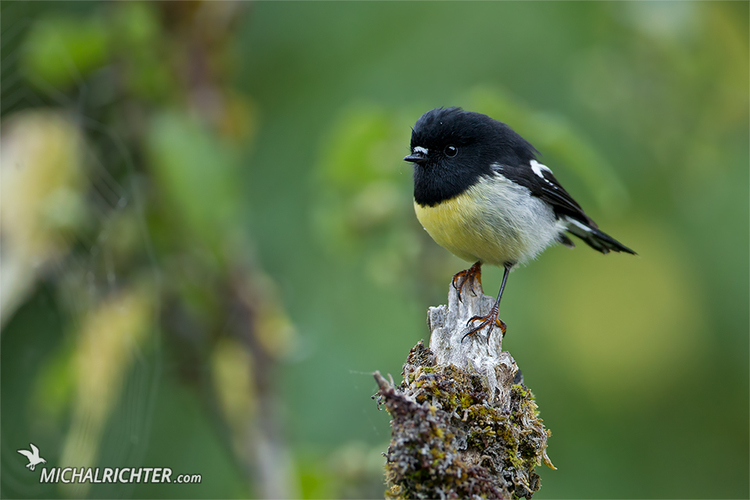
point(208, 242)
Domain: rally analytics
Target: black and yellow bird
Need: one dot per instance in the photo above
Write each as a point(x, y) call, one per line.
point(480, 192)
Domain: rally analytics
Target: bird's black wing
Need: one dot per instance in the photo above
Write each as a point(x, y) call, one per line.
point(542, 184)
point(550, 190)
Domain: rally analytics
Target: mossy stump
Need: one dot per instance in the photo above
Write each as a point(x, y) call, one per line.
point(463, 423)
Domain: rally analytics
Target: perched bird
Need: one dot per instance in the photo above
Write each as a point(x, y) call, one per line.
point(480, 192)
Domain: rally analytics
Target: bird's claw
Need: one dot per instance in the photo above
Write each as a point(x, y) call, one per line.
point(490, 320)
point(474, 273)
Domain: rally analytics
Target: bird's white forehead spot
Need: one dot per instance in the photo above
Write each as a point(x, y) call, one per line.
point(420, 149)
point(538, 167)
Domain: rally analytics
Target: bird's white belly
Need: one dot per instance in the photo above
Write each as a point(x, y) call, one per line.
point(493, 221)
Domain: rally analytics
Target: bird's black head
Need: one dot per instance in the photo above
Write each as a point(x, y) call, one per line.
point(452, 148)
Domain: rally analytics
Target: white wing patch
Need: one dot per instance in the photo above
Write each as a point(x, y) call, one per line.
point(538, 167)
point(576, 223)
point(420, 149)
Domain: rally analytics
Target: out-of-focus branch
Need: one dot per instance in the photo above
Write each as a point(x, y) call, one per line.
point(463, 423)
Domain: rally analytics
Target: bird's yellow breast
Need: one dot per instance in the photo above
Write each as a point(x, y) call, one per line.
point(493, 221)
point(456, 225)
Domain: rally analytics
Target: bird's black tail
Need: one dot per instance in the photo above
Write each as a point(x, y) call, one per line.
point(595, 238)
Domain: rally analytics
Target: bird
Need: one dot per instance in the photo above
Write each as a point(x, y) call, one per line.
point(481, 192)
point(33, 456)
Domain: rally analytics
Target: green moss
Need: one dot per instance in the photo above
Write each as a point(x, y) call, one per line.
point(522, 391)
point(448, 440)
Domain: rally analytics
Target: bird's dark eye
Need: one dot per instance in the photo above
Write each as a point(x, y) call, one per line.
point(451, 151)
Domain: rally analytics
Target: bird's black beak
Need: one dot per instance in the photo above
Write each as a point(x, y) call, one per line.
point(418, 157)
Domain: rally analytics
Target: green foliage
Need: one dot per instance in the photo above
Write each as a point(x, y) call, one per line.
point(196, 173)
point(61, 50)
point(362, 206)
point(138, 40)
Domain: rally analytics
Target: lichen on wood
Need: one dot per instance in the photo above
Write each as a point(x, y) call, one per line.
point(463, 423)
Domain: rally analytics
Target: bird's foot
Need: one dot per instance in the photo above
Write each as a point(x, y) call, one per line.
point(486, 321)
point(471, 275)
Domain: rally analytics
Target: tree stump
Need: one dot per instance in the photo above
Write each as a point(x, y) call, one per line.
point(463, 423)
